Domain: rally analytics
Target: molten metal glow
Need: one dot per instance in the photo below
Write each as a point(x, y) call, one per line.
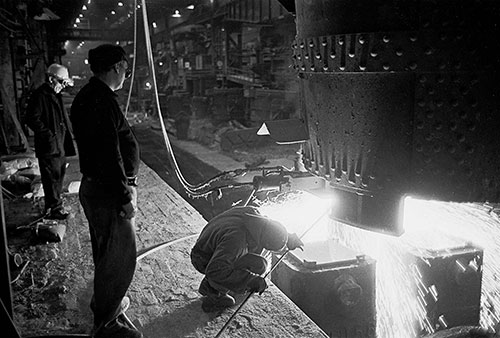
point(428, 226)
point(297, 212)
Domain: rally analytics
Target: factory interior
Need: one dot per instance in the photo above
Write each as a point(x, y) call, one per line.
point(367, 127)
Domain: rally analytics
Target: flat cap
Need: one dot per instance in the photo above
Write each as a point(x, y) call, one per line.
point(104, 56)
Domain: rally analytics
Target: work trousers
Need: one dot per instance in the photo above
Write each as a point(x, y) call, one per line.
point(250, 262)
point(113, 248)
point(52, 171)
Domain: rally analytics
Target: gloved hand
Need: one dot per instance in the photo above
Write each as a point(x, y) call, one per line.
point(294, 242)
point(257, 284)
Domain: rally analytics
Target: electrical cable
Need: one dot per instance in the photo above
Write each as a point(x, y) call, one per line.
point(154, 248)
point(134, 61)
point(267, 274)
point(192, 190)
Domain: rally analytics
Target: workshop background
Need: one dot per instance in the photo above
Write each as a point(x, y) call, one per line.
point(370, 127)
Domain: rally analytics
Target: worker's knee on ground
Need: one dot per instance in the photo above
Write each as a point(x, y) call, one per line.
point(252, 262)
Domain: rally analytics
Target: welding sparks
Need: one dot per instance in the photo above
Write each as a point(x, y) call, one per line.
point(296, 211)
point(429, 227)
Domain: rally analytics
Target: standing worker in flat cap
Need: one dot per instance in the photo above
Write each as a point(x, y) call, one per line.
point(48, 119)
point(109, 163)
point(228, 252)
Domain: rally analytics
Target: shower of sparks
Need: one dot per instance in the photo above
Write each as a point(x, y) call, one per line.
point(297, 211)
point(429, 226)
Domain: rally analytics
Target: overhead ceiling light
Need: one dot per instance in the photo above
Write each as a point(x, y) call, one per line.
point(80, 15)
point(120, 4)
point(176, 14)
point(113, 12)
point(75, 25)
point(154, 24)
point(84, 8)
point(77, 20)
point(190, 7)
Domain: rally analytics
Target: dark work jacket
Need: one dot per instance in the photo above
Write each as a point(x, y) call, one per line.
point(46, 116)
point(226, 238)
point(108, 149)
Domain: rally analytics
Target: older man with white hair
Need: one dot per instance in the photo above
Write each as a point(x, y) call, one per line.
point(48, 119)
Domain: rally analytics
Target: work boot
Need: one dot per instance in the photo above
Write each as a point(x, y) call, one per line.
point(217, 303)
point(206, 289)
point(116, 329)
point(58, 214)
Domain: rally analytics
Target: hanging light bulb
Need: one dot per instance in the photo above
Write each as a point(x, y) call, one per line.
point(176, 14)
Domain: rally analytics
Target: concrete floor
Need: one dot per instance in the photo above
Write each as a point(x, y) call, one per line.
point(52, 295)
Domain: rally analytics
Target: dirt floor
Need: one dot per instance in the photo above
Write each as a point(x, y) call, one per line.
point(52, 294)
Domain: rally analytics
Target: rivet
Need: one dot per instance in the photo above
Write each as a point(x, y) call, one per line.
point(325, 67)
point(452, 150)
point(439, 103)
point(362, 67)
point(462, 114)
point(440, 79)
point(420, 124)
point(430, 90)
point(299, 57)
point(312, 68)
point(438, 126)
point(361, 39)
point(342, 67)
point(428, 51)
point(453, 126)
point(428, 137)
point(436, 148)
point(442, 65)
point(332, 55)
point(351, 55)
point(419, 147)
point(469, 149)
point(454, 102)
point(399, 52)
point(324, 42)
point(303, 68)
point(461, 138)
point(386, 66)
point(341, 41)
point(429, 114)
point(306, 56)
point(318, 56)
point(386, 39)
point(311, 43)
point(413, 66)
point(373, 54)
point(422, 79)
point(421, 103)
point(302, 45)
point(413, 38)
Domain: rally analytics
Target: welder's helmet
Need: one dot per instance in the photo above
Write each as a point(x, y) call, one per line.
point(274, 236)
point(60, 73)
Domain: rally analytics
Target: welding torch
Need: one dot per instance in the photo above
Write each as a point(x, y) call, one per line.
point(268, 273)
